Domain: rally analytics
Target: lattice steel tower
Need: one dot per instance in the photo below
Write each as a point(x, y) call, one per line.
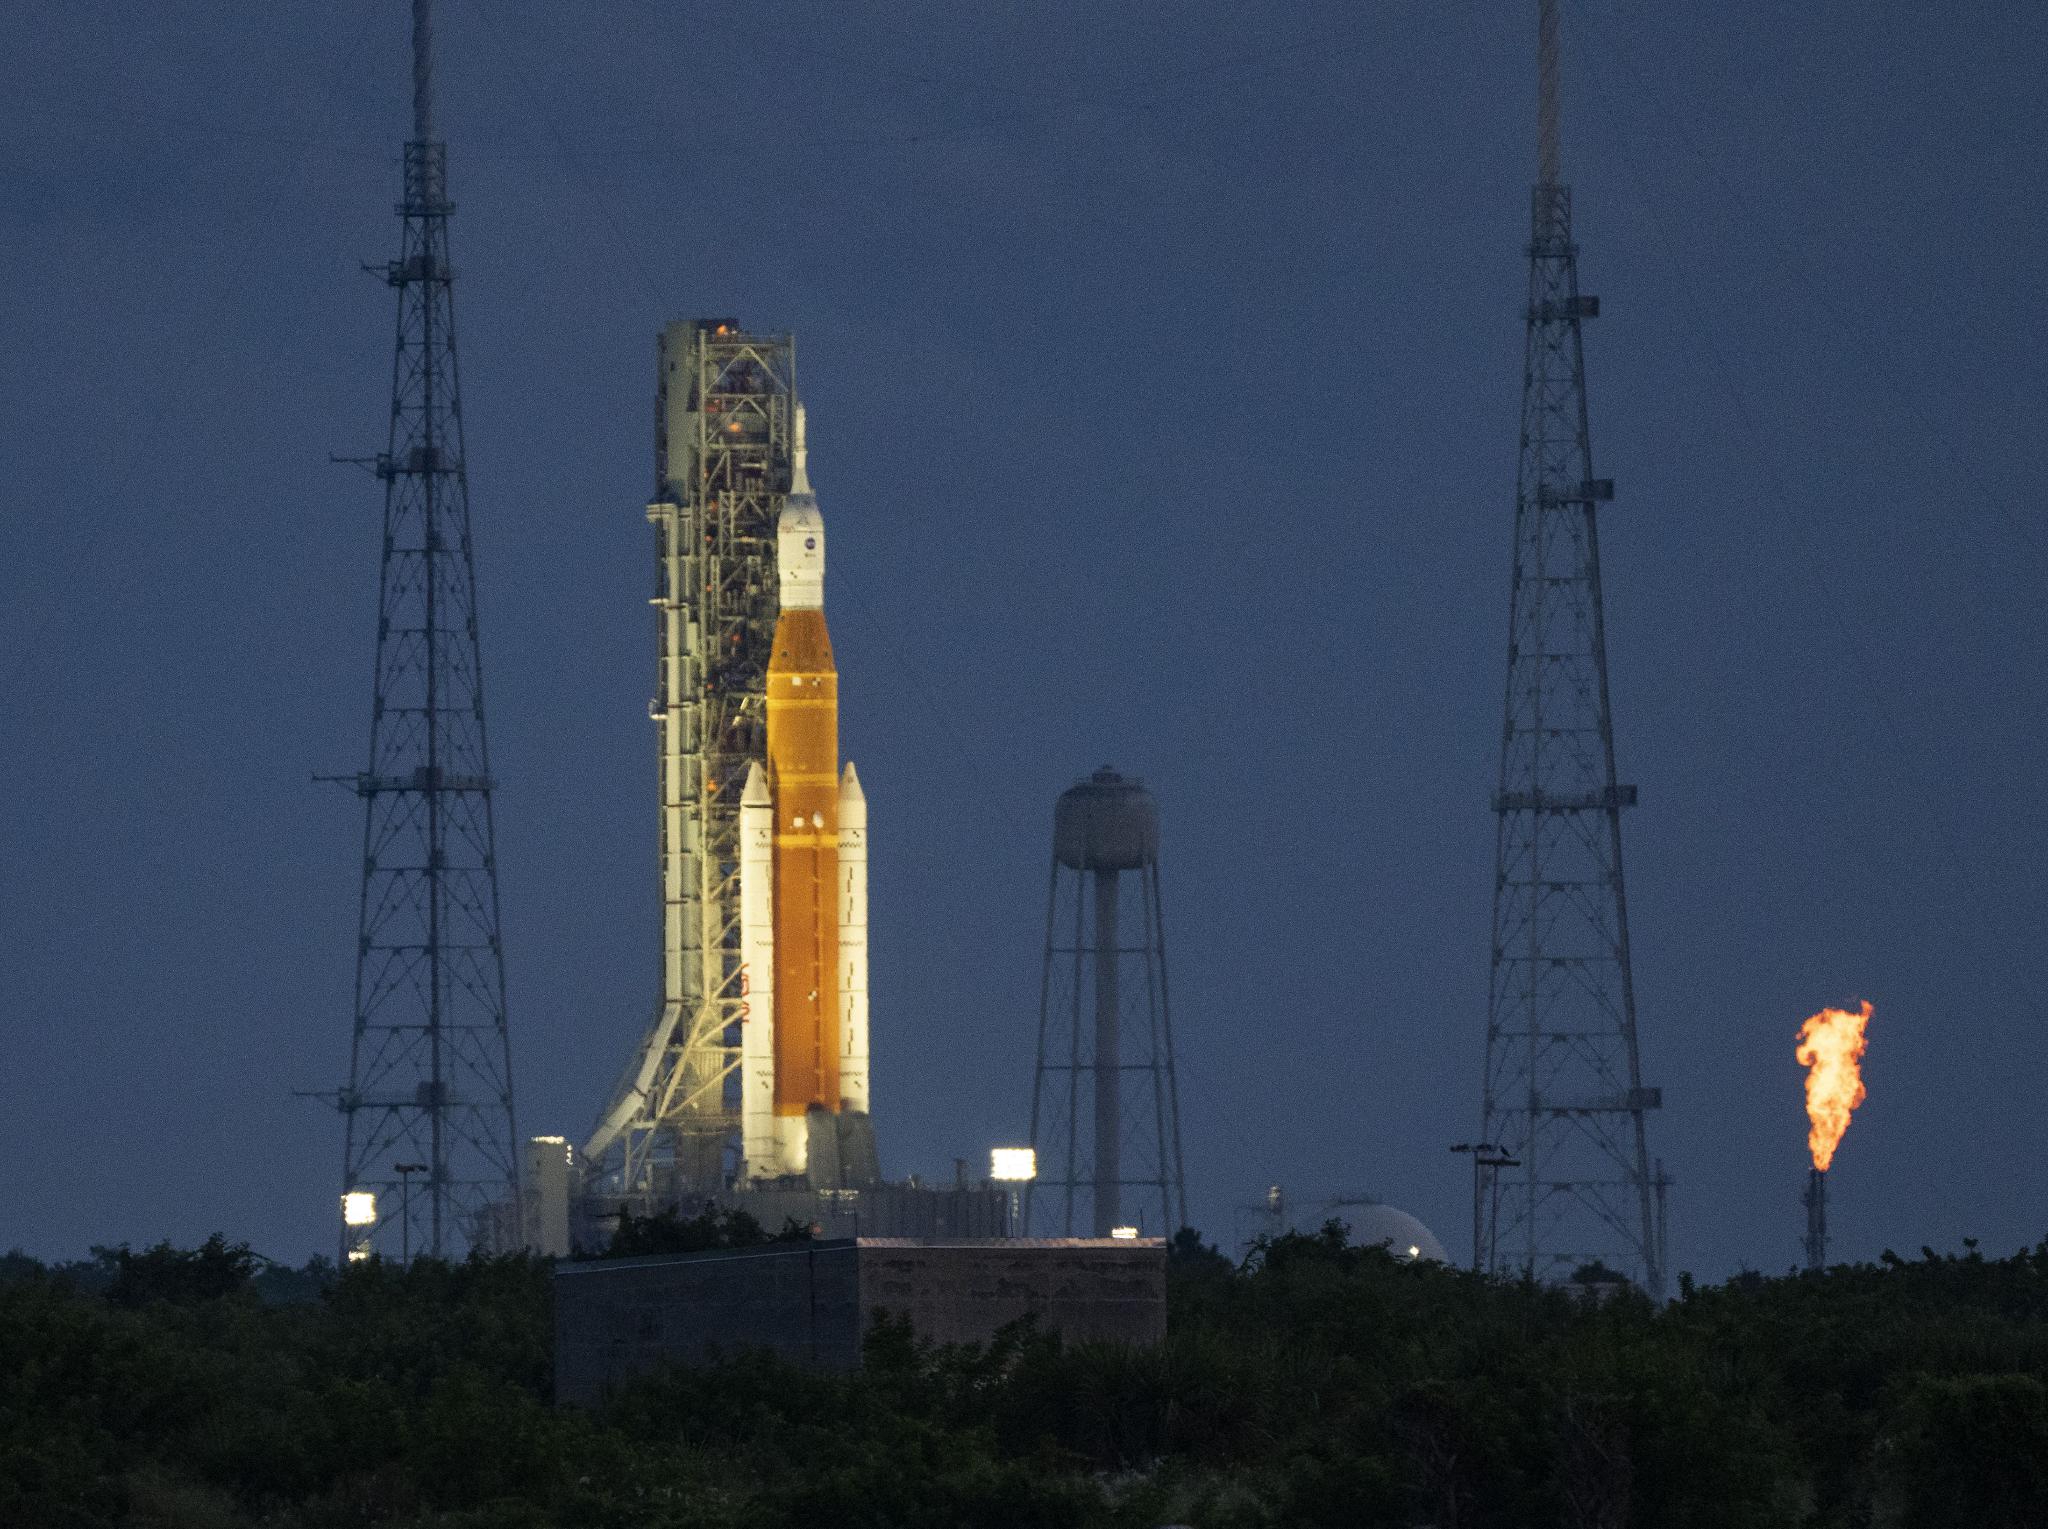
point(1563, 1090)
point(429, 1099)
point(725, 413)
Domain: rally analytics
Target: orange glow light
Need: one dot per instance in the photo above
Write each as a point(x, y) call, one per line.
point(1831, 1046)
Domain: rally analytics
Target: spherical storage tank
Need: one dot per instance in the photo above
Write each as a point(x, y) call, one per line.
point(1106, 823)
point(1382, 1226)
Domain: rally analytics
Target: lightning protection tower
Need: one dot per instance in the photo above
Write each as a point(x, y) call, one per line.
point(724, 417)
point(1115, 1147)
point(428, 1107)
point(1563, 1089)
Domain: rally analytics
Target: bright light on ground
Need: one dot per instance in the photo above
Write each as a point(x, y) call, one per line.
point(1012, 1165)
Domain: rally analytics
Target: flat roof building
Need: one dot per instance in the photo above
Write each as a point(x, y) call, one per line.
point(813, 1302)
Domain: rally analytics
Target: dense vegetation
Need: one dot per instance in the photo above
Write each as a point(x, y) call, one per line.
point(1321, 1384)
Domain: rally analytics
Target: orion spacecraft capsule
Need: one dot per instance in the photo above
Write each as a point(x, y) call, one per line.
point(803, 877)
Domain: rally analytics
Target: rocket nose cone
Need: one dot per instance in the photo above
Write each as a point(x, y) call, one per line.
point(756, 792)
point(853, 805)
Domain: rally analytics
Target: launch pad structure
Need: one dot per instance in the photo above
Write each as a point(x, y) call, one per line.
point(750, 1087)
point(724, 439)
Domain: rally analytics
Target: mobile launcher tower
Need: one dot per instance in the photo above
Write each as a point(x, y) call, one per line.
point(750, 1087)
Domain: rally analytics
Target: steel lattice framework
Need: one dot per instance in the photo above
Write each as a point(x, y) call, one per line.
point(430, 1076)
point(1563, 1089)
point(724, 420)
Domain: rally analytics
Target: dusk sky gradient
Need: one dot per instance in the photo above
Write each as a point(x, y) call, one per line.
point(1162, 363)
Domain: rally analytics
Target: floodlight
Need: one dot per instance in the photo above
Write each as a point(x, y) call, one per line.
point(1012, 1165)
point(359, 1208)
point(1124, 1233)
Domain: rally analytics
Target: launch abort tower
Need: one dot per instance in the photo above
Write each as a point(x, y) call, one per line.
point(1563, 1087)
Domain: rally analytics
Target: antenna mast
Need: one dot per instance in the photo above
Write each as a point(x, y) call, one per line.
point(1563, 1090)
point(430, 1072)
point(1547, 155)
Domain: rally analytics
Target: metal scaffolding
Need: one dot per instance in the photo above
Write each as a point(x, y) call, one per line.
point(724, 427)
point(429, 1097)
point(1563, 1087)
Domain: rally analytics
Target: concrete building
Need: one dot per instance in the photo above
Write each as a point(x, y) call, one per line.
point(544, 1196)
point(812, 1302)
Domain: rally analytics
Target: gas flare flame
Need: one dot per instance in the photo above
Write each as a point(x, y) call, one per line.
point(1830, 1046)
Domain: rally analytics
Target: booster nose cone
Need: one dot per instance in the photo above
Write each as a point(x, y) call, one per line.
point(755, 793)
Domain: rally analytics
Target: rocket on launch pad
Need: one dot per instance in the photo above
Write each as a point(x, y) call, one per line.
point(803, 881)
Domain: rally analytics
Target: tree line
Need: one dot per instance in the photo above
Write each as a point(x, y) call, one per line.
point(1315, 1383)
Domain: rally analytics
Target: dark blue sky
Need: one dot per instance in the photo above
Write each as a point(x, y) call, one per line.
point(1163, 371)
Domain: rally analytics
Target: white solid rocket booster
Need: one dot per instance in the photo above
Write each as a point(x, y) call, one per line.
point(853, 941)
point(758, 1137)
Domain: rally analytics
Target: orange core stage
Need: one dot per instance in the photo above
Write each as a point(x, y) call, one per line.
point(803, 773)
